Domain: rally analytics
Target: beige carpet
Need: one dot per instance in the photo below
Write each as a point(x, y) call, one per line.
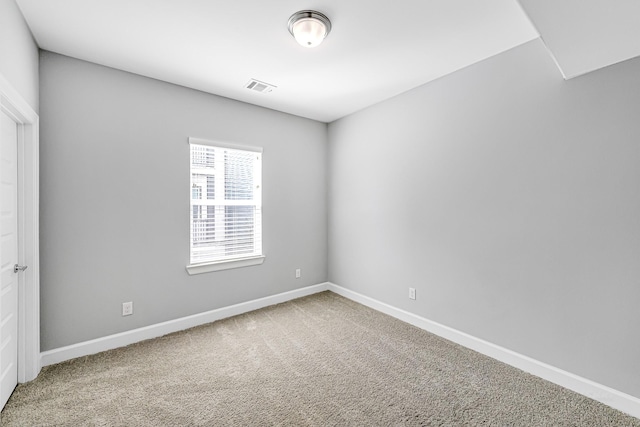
point(317, 361)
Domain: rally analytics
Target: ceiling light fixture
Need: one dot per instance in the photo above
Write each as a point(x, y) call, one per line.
point(309, 27)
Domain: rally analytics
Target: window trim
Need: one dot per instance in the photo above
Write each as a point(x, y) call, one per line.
point(210, 266)
point(223, 144)
point(207, 267)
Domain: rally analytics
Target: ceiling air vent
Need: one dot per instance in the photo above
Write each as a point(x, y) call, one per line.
point(258, 86)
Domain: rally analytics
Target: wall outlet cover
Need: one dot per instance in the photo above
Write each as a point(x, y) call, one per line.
point(127, 308)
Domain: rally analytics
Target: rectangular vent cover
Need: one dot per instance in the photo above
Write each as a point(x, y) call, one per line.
point(258, 86)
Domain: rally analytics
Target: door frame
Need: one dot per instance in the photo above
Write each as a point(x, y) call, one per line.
point(14, 105)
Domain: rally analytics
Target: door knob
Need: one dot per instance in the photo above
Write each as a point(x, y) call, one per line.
point(17, 268)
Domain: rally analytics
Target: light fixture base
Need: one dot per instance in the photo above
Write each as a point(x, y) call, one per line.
point(311, 34)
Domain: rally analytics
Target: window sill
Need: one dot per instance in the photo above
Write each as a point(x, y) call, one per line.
point(208, 267)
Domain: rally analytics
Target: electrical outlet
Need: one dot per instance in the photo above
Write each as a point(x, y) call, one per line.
point(127, 308)
point(412, 293)
point(298, 273)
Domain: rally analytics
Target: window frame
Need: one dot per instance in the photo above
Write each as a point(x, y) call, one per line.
point(225, 264)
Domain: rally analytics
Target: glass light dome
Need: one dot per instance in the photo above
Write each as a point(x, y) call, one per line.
point(309, 27)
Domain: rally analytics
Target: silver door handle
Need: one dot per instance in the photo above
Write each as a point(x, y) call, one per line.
point(17, 268)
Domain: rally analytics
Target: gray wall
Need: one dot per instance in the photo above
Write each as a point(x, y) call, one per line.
point(18, 53)
point(115, 200)
point(510, 199)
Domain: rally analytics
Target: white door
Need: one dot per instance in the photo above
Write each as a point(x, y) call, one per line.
point(8, 257)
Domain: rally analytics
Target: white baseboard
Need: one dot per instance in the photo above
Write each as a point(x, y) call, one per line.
point(136, 335)
point(607, 395)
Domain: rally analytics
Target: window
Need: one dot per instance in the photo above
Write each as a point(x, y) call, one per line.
point(226, 206)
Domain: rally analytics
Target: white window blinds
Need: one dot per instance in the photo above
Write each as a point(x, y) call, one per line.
point(226, 202)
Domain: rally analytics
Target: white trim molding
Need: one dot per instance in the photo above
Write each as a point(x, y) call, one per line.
point(607, 395)
point(207, 267)
point(153, 331)
point(224, 144)
point(13, 104)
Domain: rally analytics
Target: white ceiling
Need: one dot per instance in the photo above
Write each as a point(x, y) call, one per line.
point(376, 49)
point(585, 35)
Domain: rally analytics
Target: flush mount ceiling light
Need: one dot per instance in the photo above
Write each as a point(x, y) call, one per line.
point(309, 27)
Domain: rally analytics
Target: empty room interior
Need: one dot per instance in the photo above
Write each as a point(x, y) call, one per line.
point(407, 186)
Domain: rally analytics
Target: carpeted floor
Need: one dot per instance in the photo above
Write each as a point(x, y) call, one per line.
point(321, 360)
